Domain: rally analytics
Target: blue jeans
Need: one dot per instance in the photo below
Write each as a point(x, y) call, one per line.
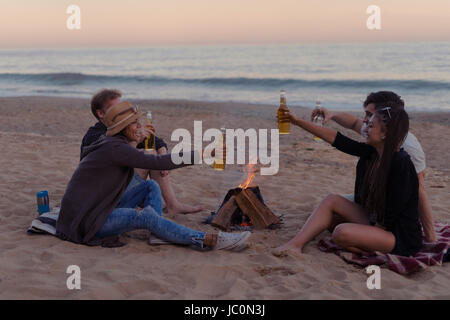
point(142, 192)
point(125, 218)
point(134, 181)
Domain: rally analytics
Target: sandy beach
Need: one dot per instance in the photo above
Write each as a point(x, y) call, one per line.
point(40, 139)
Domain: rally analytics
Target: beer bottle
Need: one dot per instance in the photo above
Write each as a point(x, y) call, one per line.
point(150, 140)
point(220, 157)
point(318, 119)
point(283, 120)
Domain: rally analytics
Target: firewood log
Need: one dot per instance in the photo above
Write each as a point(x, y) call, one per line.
point(260, 215)
point(222, 220)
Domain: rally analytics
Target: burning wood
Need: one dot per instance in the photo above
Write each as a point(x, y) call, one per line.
point(225, 214)
point(260, 215)
point(242, 202)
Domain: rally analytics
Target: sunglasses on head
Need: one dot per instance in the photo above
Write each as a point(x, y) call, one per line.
point(387, 109)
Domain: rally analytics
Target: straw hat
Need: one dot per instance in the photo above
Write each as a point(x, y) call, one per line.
point(119, 116)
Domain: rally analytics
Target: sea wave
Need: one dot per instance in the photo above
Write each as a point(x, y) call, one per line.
point(69, 78)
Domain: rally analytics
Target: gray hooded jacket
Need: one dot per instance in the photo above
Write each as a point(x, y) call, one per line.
point(95, 189)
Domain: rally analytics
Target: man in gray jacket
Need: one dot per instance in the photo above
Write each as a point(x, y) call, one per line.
point(100, 103)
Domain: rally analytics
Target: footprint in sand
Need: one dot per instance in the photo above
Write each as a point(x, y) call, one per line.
point(284, 271)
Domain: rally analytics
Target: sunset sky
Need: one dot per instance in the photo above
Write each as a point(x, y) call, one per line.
point(25, 23)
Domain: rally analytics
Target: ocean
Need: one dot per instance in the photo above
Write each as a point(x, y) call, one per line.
point(339, 75)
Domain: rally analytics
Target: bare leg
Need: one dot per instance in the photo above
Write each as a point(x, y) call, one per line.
point(357, 237)
point(323, 218)
point(143, 173)
point(168, 194)
point(336, 220)
point(426, 218)
point(173, 205)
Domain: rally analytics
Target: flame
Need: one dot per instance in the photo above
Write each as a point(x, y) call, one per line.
point(251, 171)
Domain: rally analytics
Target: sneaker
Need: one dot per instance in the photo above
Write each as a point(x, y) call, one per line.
point(232, 241)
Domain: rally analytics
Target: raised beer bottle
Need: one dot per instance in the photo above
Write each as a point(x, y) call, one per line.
point(150, 140)
point(283, 120)
point(220, 157)
point(318, 120)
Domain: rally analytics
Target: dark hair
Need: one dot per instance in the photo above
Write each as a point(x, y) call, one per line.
point(374, 186)
point(382, 97)
point(102, 97)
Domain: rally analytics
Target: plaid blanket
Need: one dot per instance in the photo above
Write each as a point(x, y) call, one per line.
point(45, 223)
point(431, 254)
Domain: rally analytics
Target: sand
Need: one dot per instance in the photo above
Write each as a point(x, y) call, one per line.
point(40, 139)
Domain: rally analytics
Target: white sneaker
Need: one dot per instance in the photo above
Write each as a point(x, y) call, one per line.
point(232, 241)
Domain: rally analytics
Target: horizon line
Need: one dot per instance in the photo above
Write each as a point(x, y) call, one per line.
point(256, 44)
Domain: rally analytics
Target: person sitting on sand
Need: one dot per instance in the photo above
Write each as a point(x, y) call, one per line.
point(384, 216)
point(95, 208)
point(411, 146)
point(100, 104)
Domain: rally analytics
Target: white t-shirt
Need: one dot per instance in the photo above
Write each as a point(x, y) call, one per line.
point(415, 151)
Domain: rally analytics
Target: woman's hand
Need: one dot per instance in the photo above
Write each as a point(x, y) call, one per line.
point(291, 116)
point(327, 134)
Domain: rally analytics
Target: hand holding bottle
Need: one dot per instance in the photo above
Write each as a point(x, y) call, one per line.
point(318, 119)
point(283, 122)
point(289, 115)
point(150, 142)
point(145, 131)
point(322, 112)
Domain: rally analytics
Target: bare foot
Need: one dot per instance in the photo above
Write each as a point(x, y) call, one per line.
point(283, 251)
point(180, 208)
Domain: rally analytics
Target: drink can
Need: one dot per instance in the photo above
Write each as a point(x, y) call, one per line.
point(43, 203)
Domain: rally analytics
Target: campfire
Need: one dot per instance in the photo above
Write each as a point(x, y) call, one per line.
point(244, 206)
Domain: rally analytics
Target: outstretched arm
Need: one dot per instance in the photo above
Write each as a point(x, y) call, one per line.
point(333, 137)
point(342, 118)
point(327, 134)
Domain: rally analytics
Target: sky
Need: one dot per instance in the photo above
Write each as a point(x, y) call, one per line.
point(34, 24)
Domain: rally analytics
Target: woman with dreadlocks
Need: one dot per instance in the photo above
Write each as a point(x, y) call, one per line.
point(384, 216)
